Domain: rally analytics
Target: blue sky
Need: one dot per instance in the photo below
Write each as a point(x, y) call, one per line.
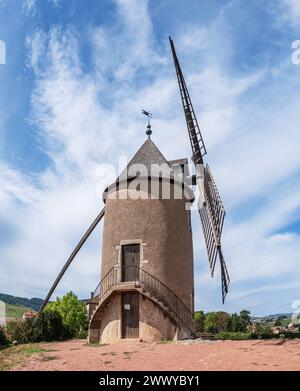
point(75, 78)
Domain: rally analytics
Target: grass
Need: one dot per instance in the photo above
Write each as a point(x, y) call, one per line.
point(166, 341)
point(15, 311)
point(15, 355)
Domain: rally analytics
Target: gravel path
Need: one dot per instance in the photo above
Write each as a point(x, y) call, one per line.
point(132, 355)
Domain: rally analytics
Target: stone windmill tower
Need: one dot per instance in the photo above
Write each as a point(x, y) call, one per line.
point(147, 257)
point(146, 289)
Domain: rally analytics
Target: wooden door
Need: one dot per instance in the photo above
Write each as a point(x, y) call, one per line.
point(130, 315)
point(130, 262)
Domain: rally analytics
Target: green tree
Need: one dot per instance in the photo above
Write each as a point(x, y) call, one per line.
point(48, 326)
point(264, 331)
point(210, 322)
point(245, 316)
point(237, 324)
point(278, 322)
point(222, 321)
point(73, 313)
point(240, 323)
point(216, 322)
point(199, 321)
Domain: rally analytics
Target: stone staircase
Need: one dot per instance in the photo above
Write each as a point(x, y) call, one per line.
point(150, 287)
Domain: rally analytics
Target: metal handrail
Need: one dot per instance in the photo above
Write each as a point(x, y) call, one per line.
point(153, 285)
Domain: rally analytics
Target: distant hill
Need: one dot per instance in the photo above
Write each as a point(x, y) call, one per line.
point(34, 303)
point(15, 311)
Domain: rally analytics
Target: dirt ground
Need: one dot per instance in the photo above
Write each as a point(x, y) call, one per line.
point(196, 355)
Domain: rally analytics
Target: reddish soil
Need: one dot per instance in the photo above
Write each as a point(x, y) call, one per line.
point(132, 355)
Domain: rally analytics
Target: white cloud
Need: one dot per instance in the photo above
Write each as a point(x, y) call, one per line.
point(29, 6)
point(132, 41)
point(292, 10)
point(86, 118)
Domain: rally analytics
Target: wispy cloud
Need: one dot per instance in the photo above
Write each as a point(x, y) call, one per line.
point(88, 115)
point(292, 11)
point(29, 6)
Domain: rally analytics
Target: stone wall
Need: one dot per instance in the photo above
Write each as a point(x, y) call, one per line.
point(154, 323)
point(162, 228)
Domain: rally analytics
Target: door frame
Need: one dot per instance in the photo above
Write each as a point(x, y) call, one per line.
point(130, 241)
point(121, 322)
point(138, 262)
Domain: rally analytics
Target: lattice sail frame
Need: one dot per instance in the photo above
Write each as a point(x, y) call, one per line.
point(212, 212)
point(212, 215)
point(196, 139)
point(214, 203)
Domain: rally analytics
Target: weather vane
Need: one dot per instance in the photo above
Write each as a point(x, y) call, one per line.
point(149, 115)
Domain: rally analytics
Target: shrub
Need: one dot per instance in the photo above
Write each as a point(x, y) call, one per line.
point(291, 335)
point(199, 321)
point(237, 323)
point(11, 328)
point(216, 322)
point(46, 327)
point(238, 336)
point(278, 322)
point(50, 326)
point(17, 331)
point(82, 334)
point(264, 332)
point(73, 314)
point(265, 335)
point(3, 339)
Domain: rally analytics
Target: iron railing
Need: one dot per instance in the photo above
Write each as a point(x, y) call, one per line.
point(150, 284)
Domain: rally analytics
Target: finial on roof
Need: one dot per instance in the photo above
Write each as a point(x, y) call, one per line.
point(149, 115)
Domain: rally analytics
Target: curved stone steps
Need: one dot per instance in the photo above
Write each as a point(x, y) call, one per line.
point(141, 289)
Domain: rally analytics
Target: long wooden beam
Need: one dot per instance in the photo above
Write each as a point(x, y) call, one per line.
point(72, 256)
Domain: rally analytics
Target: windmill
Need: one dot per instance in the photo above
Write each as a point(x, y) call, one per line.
point(147, 275)
point(210, 206)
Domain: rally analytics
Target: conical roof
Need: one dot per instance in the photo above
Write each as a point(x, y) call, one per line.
point(149, 162)
point(149, 155)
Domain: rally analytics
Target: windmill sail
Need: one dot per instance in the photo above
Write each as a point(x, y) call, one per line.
point(214, 204)
point(212, 212)
point(196, 139)
point(212, 215)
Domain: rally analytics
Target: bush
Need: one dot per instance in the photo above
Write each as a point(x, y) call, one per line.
point(265, 335)
point(73, 314)
point(238, 336)
point(48, 326)
point(11, 328)
point(3, 339)
point(264, 332)
point(216, 322)
point(82, 334)
point(291, 335)
point(19, 331)
point(199, 321)
point(237, 323)
point(219, 322)
point(65, 318)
